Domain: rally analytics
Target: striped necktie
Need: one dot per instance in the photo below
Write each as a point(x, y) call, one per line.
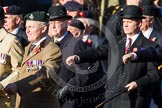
point(31, 48)
point(127, 48)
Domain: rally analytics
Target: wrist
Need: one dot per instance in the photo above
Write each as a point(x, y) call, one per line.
point(76, 59)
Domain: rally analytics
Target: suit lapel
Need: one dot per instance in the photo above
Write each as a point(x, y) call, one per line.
point(65, 40)
point(137, 43)
point(153, 34)
point(122, 43)
point(35, 51)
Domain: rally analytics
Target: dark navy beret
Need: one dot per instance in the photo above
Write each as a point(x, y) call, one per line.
point(78, 24)
point(13, 10)
point(72, 6)
point(1, 13)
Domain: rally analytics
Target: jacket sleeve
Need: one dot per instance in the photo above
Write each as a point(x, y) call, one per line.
point(150, 78)
point(16, 54)
point(94, 54)
point(150, 54)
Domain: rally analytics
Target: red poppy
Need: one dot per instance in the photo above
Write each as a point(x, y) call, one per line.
point(36, 50)
point(89, 42)
point(81, 14)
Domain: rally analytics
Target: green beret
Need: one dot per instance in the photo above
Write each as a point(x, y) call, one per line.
point(37, 16)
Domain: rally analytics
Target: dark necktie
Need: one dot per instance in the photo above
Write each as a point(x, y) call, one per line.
point(31, 48)
point(127, 48)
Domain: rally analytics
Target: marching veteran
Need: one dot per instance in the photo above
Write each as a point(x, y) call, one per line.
point(41, 60)
point(11, 53)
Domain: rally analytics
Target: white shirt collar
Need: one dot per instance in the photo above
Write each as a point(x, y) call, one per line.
point(41, 40)
point(59, 39)
point(148, 32)
point(84, 38)
point(133, 38)
point(16, 30)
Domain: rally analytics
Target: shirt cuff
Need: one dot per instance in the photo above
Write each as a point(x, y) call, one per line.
point(77, 59)
point(135, 56)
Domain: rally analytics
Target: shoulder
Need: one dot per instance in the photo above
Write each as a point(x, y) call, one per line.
point(50, 46)
point(97, 40)
point(12, 38)
point(149, 43)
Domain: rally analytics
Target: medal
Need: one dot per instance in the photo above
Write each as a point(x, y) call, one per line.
point(33, 65)
point(3, 57)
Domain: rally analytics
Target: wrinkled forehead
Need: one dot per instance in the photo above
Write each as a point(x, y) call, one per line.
point(133, 2)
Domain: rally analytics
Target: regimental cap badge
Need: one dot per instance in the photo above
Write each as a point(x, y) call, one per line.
point(37, 16)
point(31, 16)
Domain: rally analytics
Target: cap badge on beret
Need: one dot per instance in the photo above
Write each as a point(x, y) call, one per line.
point(37, 16)
point(31, 16)
point(5, 9)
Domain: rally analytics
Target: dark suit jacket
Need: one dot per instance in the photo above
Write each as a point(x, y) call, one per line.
point(76, 77)
point(82, 78)
point(144, 74)
point(141, 78)
point(65, 74)
point(151, 54)
point(157, 36)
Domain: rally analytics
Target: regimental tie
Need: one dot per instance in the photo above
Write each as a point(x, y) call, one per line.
point(31, 48)
point(127, 48)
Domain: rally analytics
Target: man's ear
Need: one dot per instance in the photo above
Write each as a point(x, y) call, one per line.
point(151, 20)
point(44, 29)
point(140, 23)
point(17, 19)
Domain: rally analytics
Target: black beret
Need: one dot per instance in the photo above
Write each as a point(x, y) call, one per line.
point(13, 10)
point(148, 10)
point(37, 16)
point(76, 23)
point(1, 13)
point(72, 6)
